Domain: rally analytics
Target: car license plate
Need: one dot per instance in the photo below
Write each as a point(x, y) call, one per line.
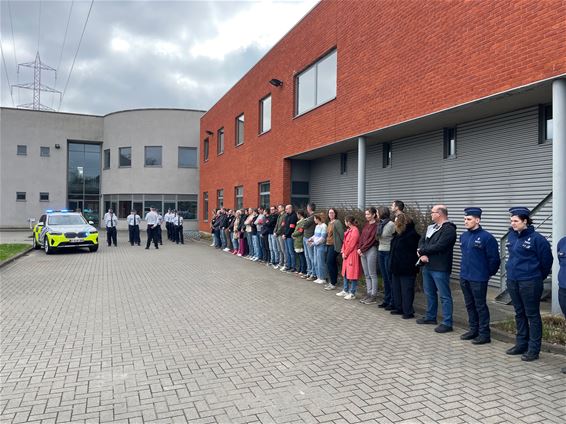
point(76, 240)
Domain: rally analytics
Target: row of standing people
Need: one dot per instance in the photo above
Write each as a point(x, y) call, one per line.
point(309, 244)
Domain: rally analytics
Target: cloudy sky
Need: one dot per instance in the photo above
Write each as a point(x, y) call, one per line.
point(137, 54)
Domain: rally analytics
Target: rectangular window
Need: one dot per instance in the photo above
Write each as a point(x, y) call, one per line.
point(22, 150)
point(220, 198)
point(21, 196)
point(153, 155)
point(239, 197)
point(187, 206)
point(44, 151)
point(264, 188)
point(125, 156)
point(205, 149)
point(317, 84)
point(265, 114)
point(44, 197)
point(386, 155)
point(240, 130)
point(300, 193)
point(449, 143)
point(220, 142)
point(205, 205)
point(343, 163)
point(187, 157)
point(106, 159)
point(545, 124)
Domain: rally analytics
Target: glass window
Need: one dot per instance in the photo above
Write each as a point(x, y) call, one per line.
point(343, 163)
point(265, 115)
point(155, 202)
point(188, 208)
point(44, 197)
point(106, 158)
point(22, 150)
point(386, 155)
point(187, 157)
point(239, 197)
point(152, 156)
point(205, 149)
point(21, 196)
point(264, 188)
point(220, 198)
point(449, 143)
point(220, 142)
point(300, 188)
point(83, 178)
point(44, 151)
point(125, 156)
point(546, 124)
point(240, 130)
point(317, 84)
point(205, 205)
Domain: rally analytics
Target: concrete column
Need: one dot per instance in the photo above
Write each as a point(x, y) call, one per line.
point(558, 178)
point(361, 172)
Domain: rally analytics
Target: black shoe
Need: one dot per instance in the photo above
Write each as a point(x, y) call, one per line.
point(470, 335)
point(426, 321)
point(528, 357)
point(157, 247)
point(516, 350)
point(147, 248)
point(389, 307)
point(382, 305)
point(131, 244)
point(408, 316)
point(481, 340)
point(443, 329)
point(563, 370)
point(396, 312)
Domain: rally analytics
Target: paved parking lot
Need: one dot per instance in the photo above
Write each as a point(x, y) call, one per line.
point(191, 334)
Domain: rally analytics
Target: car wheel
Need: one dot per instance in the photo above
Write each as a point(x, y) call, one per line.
point(93, 248)
point(35, 244)
point(48, 249)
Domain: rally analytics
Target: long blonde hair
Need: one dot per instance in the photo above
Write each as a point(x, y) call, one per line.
point(401, 222)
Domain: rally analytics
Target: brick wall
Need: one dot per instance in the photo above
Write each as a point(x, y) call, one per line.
point(396, 60)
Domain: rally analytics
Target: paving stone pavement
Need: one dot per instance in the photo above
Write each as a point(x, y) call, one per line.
point(192, 334)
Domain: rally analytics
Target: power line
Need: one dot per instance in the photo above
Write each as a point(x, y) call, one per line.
point(13, 47)
point(39, 25)
point(7, 77)
point(58, 67)
point(76, 53)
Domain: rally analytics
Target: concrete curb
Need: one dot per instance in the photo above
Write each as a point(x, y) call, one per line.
point(13, 258)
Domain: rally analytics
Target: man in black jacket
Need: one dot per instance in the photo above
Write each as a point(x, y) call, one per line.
point(288, 227)
point(436, 254)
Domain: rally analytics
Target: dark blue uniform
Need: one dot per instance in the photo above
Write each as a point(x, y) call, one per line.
point(562, 274)
point(480, 260)
point(529, 263)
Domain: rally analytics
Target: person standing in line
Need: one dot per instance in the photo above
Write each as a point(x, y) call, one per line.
point(334, 240)
point(213, 228)
point(403, 268)
point(350, 259)
point(134, 228)
point(270, 223)
point(385, 230)
point(236, 233)
point(178, 228)
point(152, 220)
point(279, 229)
point(298, 243)
point(167, 219)
point(529, 263)
point(265, 231)
point(368, 255)
point(243, 248)
point(561, 253)
point(480, 261)
point(309, 248)
point(111, 222)
point(318, 240)
point(288, 226)
point(258, 223)
point(159, 230)
point(230, 230)
point(397, 208)
point(436, 251)
point(250, 228)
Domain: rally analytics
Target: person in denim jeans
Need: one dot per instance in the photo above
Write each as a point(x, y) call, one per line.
point(288, 226)
point(309, 226)
point(318, 240)
point(436, 255)
point(385, 230)
point(367, 251)
point(529, 263)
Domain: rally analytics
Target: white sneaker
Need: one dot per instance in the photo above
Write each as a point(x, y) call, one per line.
point(350, 296)
point(341, 293)
point(255, 259)
point(275, 266)
point(329, 286)
point(239, 254)
point(226, 249)
point(319, 281)
point(284, 269)
point(212, 245)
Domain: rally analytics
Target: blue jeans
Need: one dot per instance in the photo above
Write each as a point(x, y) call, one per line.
point(320, 255)
point(250, 244)
point(274, 249)
point(350, 286)
point(386, 275)
point(526, 301)
point(215, 238)
point(257, 248)
point(236, 242)
point(309, 256)
point(478, 313)
point(438, 281)
point(290, 253)
point(562, 299)
point(222, 238)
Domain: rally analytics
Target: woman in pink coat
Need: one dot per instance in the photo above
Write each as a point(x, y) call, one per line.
point(351, 264)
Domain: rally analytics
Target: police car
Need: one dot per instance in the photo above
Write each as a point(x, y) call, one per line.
point(64, 229)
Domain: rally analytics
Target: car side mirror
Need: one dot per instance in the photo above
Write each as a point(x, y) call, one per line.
point(40, 223)
point(91, 223)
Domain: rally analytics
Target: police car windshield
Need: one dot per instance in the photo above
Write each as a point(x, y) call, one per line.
point(66, 220)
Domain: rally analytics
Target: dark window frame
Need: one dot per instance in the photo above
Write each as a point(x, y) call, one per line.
point(22, 150)
point(238, 196)
point(43, 149)
point(263, 194)
point(450, 143)
point(46, 199)
point(314, 64)
point(206, 149)
point(21, 196)
point(219, 197)
point(261, 112)
point(205, 205)
point(387, 155)
point(237, 121)
point(544, 111)
point(120, 157)
point(220, 141)
point(160, 165)
point(179, 165)
point(343, 163)
point(106, 165)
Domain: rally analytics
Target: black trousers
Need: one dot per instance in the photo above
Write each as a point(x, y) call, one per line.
point(168, 228)
point(151, 236)
point(134, 234)
point(403, 293)
point(111, 235)
point(332, 265)
point(265, 248)
point(158, 234)
point(179, 237)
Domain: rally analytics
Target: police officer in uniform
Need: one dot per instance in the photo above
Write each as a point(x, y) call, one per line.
point(167, 218)
point(158, 228)
point(111, 221)
point(134, 228)
point(561, 251)
point(152, 220)
point(480, 260)
point(529, 263)
point(178, 224)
